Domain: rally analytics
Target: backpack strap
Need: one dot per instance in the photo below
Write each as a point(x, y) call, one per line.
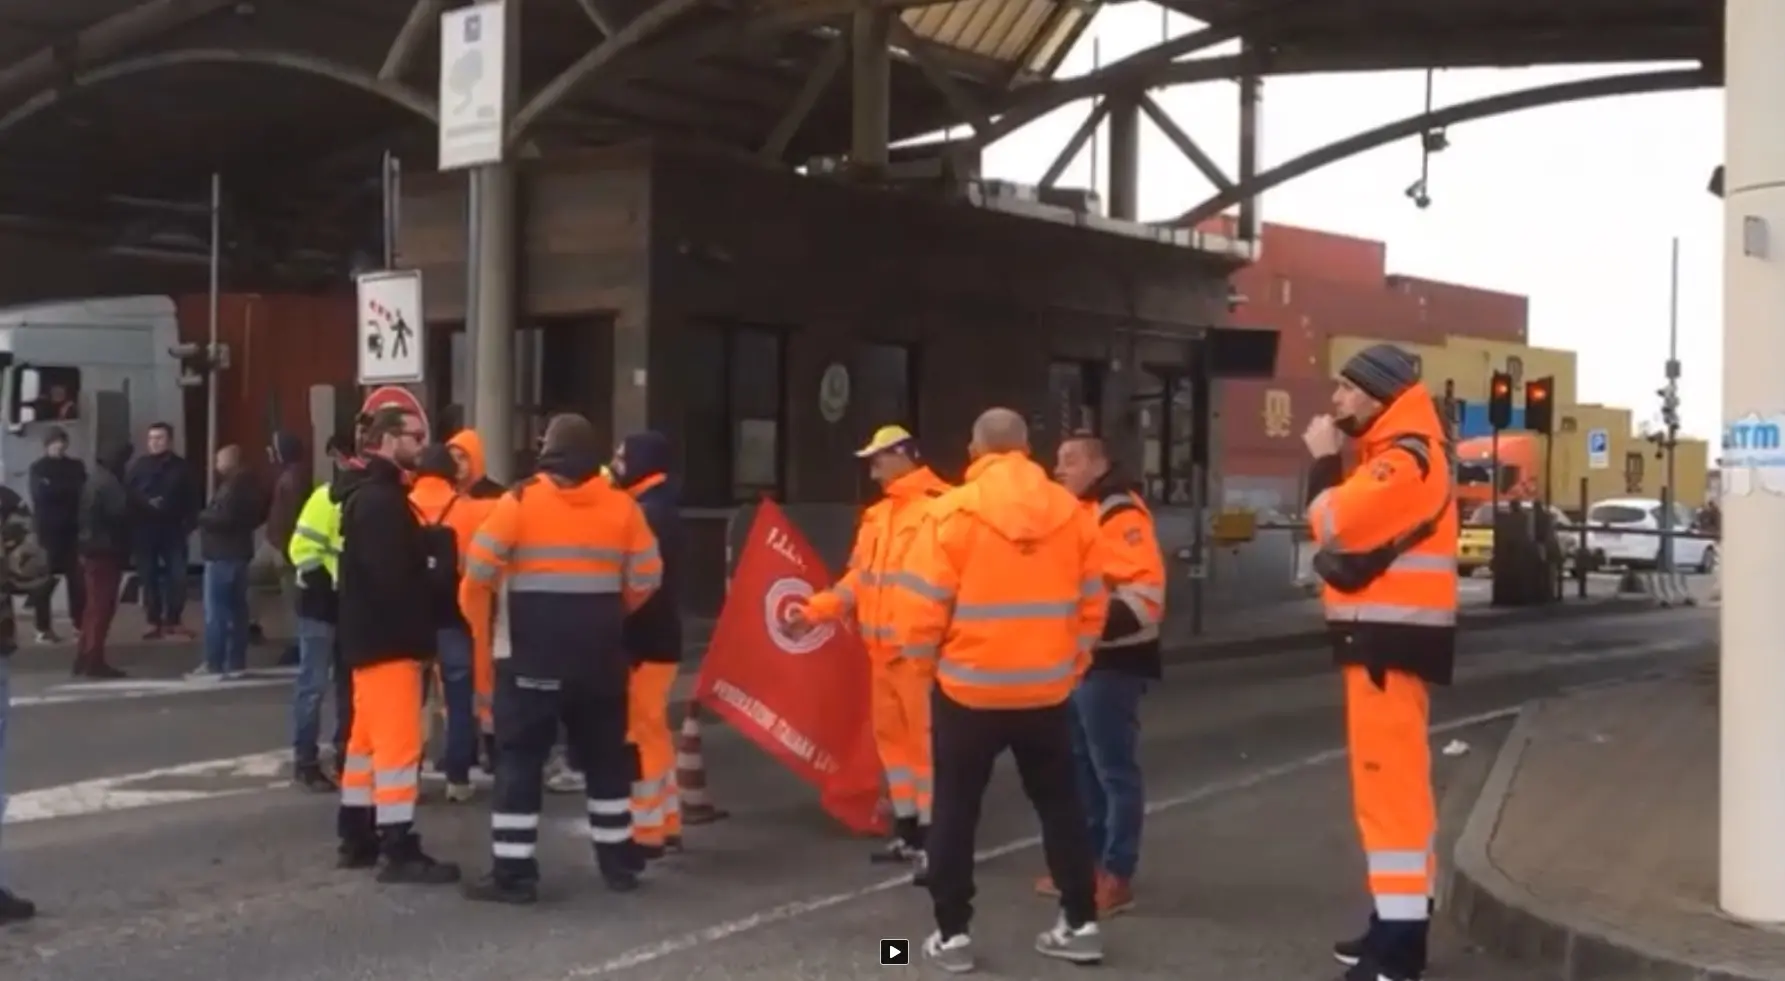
point(441, 520)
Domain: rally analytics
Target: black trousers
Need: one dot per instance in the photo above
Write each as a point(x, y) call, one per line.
point(968, 741)
point(66, 565)
point(343, 678)
point(528, 712)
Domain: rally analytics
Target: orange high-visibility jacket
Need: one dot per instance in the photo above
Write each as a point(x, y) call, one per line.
point(550, 577)
point(1003, 587)
point(1401, 490)
point(1134, 569)
point(866, 590)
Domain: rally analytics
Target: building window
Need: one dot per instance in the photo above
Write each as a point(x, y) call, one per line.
point(732, 384)
point(1166, 414)
point(886, 385)
point(1074, 389)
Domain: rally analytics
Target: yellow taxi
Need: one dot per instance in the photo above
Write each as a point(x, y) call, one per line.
point(1475, 539)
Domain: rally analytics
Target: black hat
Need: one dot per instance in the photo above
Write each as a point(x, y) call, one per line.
point(1382, 371)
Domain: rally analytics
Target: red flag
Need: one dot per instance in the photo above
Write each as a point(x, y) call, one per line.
point(803, 699)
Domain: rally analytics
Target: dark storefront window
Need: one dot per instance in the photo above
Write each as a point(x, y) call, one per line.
point(1074, 389)
point(732, 394)
point(1167, 417)
point(886, 385)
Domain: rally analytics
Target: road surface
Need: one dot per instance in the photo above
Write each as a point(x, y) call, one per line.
point(156, 832)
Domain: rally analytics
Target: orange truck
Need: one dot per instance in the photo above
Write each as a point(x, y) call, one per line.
point(1518, 470)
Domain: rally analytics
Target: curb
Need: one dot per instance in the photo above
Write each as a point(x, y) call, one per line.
point(1503, 917)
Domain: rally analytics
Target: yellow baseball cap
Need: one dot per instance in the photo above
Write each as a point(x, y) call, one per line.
point(885, 438)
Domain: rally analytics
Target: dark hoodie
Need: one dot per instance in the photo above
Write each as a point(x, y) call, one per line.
point(56, 483)
point(105, 508)
point(385, 599)
point(290, 489)
point(654, 631)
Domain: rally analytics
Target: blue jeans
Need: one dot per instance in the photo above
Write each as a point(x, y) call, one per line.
point(161, 569)
point(316, 661)
point(1106, 746)
point(461, 712)
point(5, 708)
point(226, 615)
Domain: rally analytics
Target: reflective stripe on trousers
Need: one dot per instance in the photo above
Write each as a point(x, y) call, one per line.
point(514, 836)
point(361, 786)
point(1401, 882)
point(610, 821)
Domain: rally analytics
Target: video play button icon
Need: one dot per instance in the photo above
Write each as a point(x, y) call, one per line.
point(895, 953)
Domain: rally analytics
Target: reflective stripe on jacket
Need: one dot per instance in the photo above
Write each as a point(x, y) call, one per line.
point(867, 590)
point(1402, 486)
point(552, 573)
point(316, 538)
point(1133, 568)
point(1003, 588)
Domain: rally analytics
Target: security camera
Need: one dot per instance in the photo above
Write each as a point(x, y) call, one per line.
point(1417, 192)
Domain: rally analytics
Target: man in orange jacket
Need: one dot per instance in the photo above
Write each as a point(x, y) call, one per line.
point(1387, 537)
point(441, 506)
point(549, 581)
point(1003, 599)
point(900, 690)
point(1106, 705)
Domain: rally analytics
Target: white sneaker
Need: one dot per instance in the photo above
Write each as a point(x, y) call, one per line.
point(954, 955)
point(566, 781)
point(459, 793)
point(1080, 945)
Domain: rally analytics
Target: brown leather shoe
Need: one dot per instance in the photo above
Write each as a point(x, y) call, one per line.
point(1114, 895)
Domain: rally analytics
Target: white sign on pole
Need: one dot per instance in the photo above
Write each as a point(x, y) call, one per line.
point(1598, 449)
point(392, 331)
point(473, 85)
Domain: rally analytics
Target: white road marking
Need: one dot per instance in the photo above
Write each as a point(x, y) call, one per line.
point(71, 693)
point(108, 794)
point(806, 907)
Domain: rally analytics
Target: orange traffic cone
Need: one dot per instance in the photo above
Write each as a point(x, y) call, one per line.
point(691, 774)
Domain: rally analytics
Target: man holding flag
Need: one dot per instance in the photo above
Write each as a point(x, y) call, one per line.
point(866, 593)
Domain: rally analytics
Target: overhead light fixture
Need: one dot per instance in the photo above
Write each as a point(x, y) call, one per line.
point(1416, 191)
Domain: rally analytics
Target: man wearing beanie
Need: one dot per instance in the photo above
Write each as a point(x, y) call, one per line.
point(56, 480)
point(1387, 536)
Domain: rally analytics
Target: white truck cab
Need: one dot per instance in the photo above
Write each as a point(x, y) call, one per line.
point(99, 369)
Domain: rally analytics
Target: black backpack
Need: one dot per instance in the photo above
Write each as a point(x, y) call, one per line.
point(441, 546)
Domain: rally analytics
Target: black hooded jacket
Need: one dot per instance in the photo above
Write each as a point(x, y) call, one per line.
point(105, 508)
point(653, 632)
point(56, 483)
point(385, 599)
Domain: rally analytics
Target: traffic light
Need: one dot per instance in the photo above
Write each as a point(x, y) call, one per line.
point(1499, 404)
point(1540, 404)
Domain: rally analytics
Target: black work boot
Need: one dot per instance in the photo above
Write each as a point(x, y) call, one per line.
point(1349, 952)
point(311, 777)
point(358, 848)
point(493, 888)
point(401, 860)
point(1393, 950)
point(15, 908)
point(620, 865)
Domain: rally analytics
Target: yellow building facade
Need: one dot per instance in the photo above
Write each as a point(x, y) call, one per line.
point(1626, 464)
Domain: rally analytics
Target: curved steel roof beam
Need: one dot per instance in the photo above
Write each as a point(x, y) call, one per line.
point(1668, 80)
point(365, 81)
point(107, 39)
point(637, 30)
point(1135, 71)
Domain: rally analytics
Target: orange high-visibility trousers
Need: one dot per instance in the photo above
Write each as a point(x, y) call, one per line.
point(900, 697)
point(384, 747)
point(1386, 729)
point(656, 803)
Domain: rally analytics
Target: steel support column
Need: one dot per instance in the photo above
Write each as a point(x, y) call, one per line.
point(1124, 158)
point(870, 89)
point(1251, 223)
point(1751, 863)
point(492, 302)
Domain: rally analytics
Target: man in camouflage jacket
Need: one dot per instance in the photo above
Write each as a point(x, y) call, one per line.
point(24, 569)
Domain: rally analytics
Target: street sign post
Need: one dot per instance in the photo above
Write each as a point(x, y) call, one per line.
point(473, 85)
point(392, 330)
point(1598, 449)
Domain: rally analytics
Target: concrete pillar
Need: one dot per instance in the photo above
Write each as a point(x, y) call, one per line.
point(491, 314)
point(870, 88)
point(1751, 883)
point(1124, 159)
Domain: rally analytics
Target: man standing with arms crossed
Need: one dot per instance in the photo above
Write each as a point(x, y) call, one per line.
point(387, 634)
point(867, 592)
point(1387, 537)
point(1003, 599)
point(1106, 704)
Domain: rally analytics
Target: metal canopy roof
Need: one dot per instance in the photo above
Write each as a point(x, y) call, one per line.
point(104, 103)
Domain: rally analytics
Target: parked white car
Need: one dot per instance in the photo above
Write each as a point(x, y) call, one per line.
point(1640, 546)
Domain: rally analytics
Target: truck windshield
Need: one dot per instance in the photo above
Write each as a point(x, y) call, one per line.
point(1483, 474)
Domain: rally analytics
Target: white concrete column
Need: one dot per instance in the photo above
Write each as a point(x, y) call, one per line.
point(1752, 816)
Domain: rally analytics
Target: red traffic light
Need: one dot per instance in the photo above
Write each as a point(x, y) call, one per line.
point(1502, 387)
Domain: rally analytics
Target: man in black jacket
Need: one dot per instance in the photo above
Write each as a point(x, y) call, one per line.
point(653, 639)
point(164, 499)
point(226, 545)
point(104, 542)
point(386, 632)
point(56, 480)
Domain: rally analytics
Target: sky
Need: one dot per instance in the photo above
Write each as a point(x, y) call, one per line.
point(1574, 206)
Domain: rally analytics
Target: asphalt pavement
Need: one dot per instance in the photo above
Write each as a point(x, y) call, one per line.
point(155, 829)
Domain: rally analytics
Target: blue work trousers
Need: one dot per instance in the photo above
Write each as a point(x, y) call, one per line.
point(1106, 747)
point(226, 615)
point(459, 749)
